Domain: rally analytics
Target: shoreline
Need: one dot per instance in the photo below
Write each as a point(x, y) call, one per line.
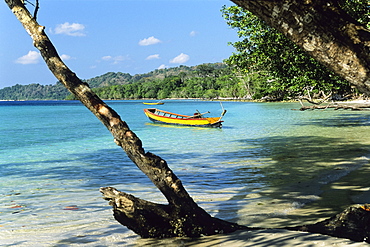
point(355, 101)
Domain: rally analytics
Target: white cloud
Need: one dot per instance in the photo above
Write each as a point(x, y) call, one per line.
point(106, 58)
point(162, 66)
point(154, 56)
point(70, 29)
point(149, 41)
point(32, 57)
point(193, 33)
point(114, 60)
point(65, 57)
point(182, 58)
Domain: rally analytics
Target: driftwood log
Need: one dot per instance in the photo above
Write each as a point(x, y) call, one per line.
point(353, 107)
point(181, 216)
point(353, 223)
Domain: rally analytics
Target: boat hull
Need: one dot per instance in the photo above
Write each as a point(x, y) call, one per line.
point(178, 119)
point(148, 103)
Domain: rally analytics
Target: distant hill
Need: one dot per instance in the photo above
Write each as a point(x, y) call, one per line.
point(34, 92)
point(59, 92)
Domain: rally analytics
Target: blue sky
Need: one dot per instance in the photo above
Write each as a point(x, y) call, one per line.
point(131, 36)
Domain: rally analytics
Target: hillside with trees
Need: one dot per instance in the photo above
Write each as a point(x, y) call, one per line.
point(203, 81)
point(111, 84)
point(206, 81)
point(34, 92)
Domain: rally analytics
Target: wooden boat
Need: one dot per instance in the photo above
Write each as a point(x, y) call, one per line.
point(153, 103)
point(160, 116)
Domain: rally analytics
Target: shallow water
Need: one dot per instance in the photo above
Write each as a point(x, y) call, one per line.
point(269, 166)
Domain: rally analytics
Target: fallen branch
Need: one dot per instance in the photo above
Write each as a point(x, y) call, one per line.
point(309, 100)
point(354, 107)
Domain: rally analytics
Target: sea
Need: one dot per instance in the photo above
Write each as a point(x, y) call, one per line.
point(270, 165)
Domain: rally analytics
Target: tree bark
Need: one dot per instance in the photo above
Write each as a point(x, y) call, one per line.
point(323, 30)
point(181, 216)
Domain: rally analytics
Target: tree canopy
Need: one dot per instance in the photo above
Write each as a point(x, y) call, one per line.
point(326, 30)
point(291, 71)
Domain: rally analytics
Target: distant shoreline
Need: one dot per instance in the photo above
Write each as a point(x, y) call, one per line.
point(355, 101)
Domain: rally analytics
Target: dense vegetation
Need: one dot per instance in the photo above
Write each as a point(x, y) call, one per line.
point(37, 91)
point(34, 92)
point(291, 73)
point(202, 81)
point(207, 81)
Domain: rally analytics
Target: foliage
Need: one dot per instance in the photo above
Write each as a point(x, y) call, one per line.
point(358, 9)
point(290, 72)
point(158, 83)
point(34, 92)
point(205, 81)
point(109, 79)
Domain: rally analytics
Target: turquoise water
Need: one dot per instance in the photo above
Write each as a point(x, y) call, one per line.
point(268, 166)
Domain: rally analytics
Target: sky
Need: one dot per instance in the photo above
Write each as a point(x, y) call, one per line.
point(131, 36)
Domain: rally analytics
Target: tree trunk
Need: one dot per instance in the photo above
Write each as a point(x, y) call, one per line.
point(163, 221)
point(181, 216)
point(323, 30)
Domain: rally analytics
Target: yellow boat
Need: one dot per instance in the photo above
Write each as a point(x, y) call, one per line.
point(160, 116)
point(153, 103)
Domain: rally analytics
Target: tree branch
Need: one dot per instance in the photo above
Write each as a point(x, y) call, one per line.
point(36, 9)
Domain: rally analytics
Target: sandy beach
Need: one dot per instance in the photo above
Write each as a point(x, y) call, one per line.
point(262, 238)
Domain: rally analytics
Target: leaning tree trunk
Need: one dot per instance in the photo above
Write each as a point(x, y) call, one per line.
point(323, 30)
point(181, 216)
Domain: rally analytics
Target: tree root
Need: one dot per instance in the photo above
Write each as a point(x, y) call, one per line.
point(151, 220)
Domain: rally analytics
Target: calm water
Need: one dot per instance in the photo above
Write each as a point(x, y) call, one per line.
point(269, 166)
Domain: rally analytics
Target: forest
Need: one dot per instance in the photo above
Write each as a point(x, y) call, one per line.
point(205, 81)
